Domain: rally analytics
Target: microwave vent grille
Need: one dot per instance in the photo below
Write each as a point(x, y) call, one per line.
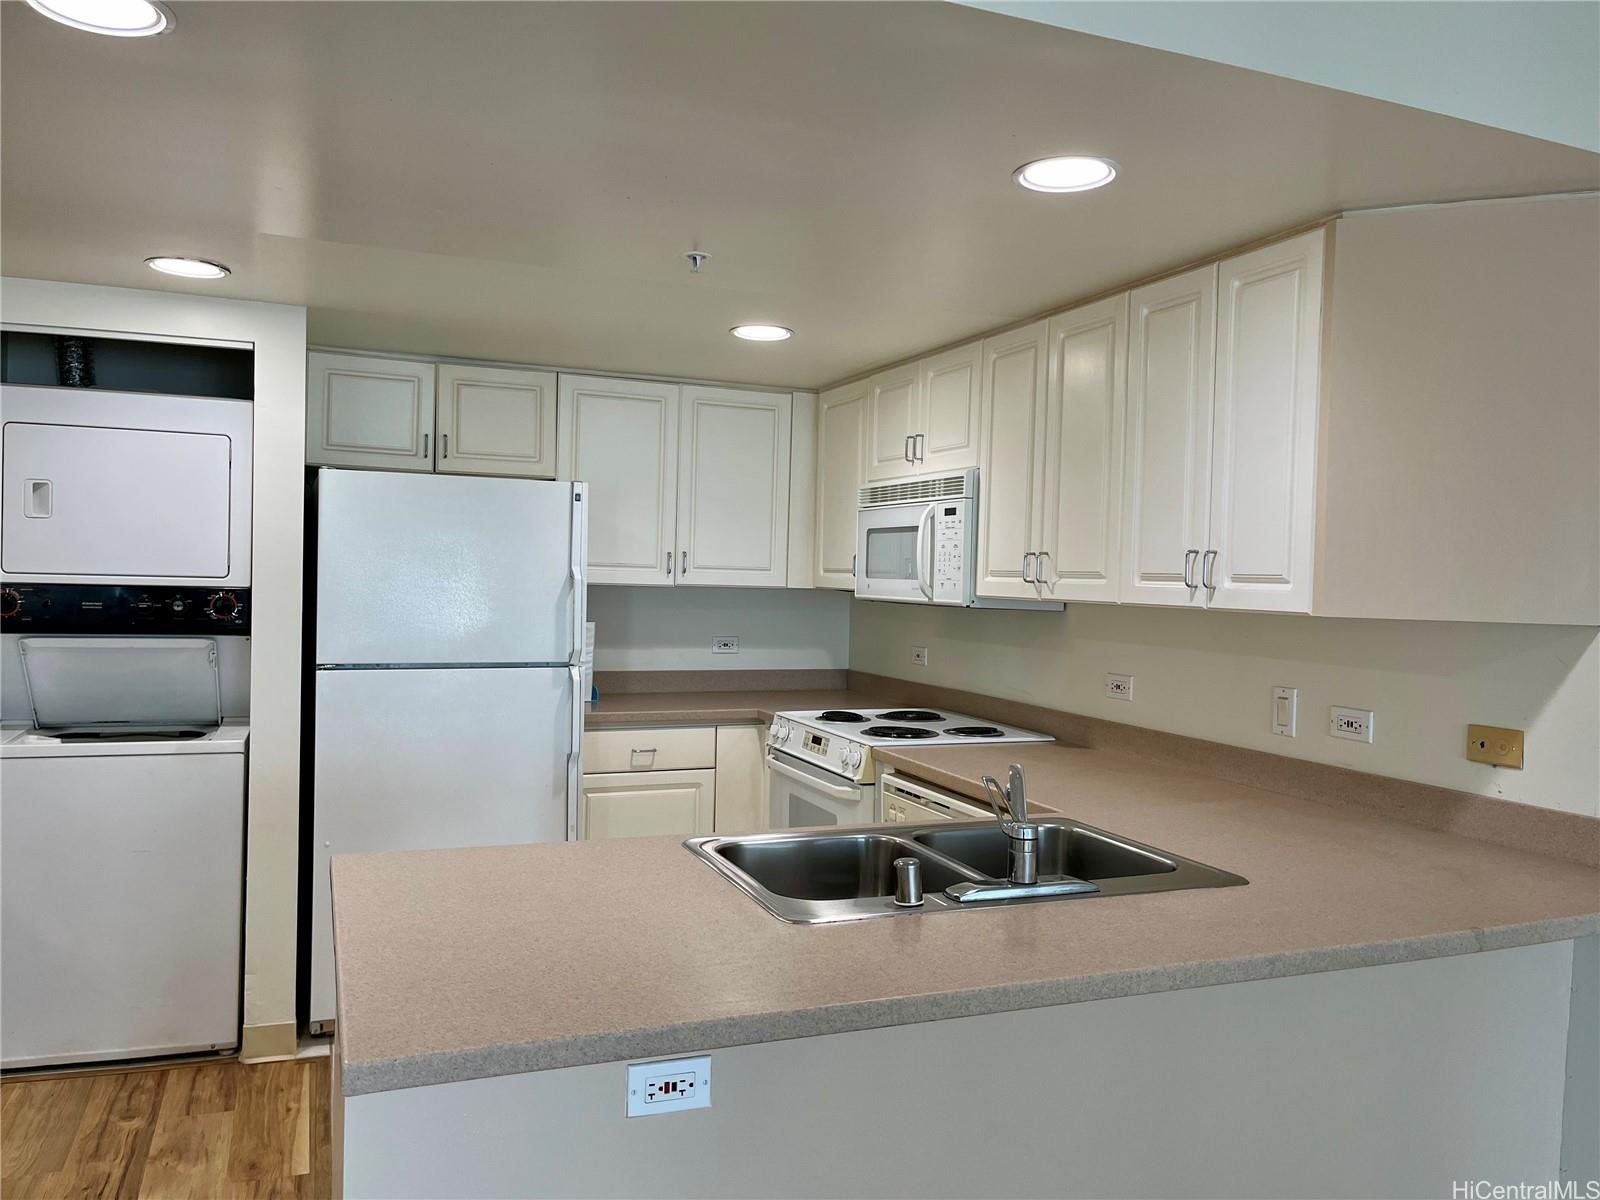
point(941, 487)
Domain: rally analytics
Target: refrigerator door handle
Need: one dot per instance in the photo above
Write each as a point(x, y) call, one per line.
point(579, 544)
point(575, 758)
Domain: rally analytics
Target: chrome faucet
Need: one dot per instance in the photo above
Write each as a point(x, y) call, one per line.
point(1010, 804)
point(1013, 818)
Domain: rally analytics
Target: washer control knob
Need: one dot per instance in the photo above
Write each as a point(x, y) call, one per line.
point(10, 602)
point(224, 606)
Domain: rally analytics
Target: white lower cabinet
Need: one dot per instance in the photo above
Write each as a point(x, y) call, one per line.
point(648, 804)
point(741, 779)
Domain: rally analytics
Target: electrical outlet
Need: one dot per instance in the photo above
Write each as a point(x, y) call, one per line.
point(1119, 687)
point(919, 656)
point(724, 645)
point(1285, 710)
point(1354, 724)
point(1496, 746)
point(661, 1087)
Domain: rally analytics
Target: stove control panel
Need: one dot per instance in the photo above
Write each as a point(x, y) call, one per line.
point(115, 608)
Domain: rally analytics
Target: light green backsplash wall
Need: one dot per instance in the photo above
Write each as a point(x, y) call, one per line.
point(1210, 675)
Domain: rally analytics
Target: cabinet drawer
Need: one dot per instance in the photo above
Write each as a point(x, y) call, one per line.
point(609, 750)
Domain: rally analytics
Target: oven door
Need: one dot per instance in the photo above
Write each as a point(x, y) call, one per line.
point(802, 796)
point(894, 553)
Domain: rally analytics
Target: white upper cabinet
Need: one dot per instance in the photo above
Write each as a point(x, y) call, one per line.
point(733, 488)
point(1085, 409)
point(1264, 438)
point(841, 442)
point(1167, 475)
point(496, 421)
point(894, 415)
point(369, 412)
point(1010, 498)
point(620, 436)
point(923, 418)
point(946, 438)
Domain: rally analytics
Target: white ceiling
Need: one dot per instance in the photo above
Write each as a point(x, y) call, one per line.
point(520, 181)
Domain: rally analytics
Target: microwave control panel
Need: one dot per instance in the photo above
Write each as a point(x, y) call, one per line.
point(950, 558)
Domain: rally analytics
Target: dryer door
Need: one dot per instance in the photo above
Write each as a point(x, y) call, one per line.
point(94, 501)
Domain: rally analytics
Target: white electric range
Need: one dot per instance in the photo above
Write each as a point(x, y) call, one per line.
point(821, 769)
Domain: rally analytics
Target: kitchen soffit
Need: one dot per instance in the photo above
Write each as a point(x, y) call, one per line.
point(520, 181)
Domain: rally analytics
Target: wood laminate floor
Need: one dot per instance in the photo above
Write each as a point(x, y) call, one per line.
point(211, 1131)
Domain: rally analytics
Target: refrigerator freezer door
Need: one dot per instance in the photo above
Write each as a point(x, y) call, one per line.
point(420, 759)
point(447, 569)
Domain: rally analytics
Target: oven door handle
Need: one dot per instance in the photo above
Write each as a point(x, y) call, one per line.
point(925, 552)
point(837, 791)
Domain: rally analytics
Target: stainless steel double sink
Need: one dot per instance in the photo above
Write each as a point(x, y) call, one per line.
point(809, 877)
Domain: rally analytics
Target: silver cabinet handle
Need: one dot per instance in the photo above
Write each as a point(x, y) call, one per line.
point(1188, 567)
point(1038, 567)
point(669, 562)
point(683, 563)
point(424, 445)
point(444, 445)
point(635, 755)
point(1206, 566)
point(907, 451)
point(919, 446)
point(1025, 558)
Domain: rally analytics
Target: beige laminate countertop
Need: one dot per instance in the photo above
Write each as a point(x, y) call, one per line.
point(712, 708)
point(459, 964)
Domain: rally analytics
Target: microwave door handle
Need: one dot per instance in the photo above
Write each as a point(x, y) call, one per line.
point(925, 552)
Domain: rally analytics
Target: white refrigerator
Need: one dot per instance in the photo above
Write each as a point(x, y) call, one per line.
point(447, 695)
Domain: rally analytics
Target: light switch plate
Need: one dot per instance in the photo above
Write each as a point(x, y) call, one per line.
point(919, 656)
point(1285, 710)
point(674, 1085)
point(1496, 746)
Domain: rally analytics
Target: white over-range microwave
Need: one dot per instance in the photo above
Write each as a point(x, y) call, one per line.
point(917, 540)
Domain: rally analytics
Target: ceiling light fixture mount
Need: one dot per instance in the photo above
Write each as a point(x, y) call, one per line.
point(187, 268)
point(762, 333)
point(113, 18)
point(1066, 173)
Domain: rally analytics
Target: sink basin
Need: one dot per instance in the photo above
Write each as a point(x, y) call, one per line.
point(851, 866)
point(1063, 850)
point(819, 876)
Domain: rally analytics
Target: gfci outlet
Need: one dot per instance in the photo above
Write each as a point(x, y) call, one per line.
point(1353, 724)
point(919, 656)
point(724, 645)
point(1119, 687)
point(673, 1086)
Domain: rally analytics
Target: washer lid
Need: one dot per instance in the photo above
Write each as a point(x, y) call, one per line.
point(147, 681)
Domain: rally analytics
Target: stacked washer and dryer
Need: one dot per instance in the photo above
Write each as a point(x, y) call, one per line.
point(124, 694)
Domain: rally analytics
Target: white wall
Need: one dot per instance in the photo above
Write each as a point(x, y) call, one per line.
point(277, 333)
point(1210, 675)
point(670, 629)
point(1525, 66)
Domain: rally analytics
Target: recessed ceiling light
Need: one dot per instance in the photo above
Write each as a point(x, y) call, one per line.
point(115, 18)
point(762, 333)
point(1066, 173)
point(189, 268)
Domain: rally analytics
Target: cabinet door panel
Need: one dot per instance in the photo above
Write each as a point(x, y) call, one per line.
point(841, 428)
point(1083, 451)
point(1263, 490)
point(1014, 376)
point(369, 412)
point(733, 489)
point(894, 413)
point(1166, 482)
point(648, 804)
point(495, 421)
point(950, 397)
point(620, 436)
